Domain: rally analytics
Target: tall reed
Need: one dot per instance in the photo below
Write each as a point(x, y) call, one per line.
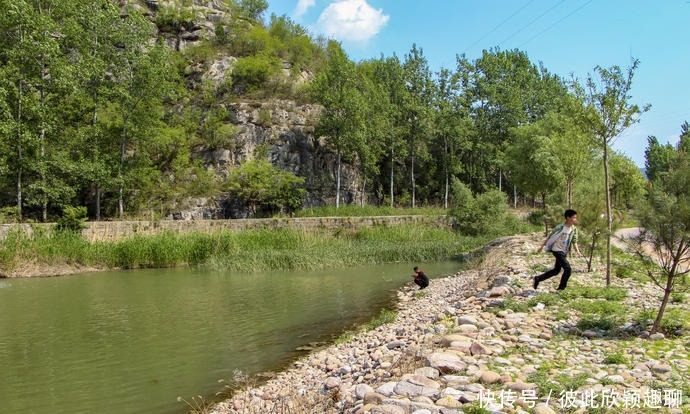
point(282, 249)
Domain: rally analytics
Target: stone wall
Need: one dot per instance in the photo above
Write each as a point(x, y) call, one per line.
point(112, 230)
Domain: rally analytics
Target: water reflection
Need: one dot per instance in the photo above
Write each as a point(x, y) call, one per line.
point(129, 342)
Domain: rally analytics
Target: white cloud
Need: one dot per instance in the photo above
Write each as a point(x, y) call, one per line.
point(302, 7)
point(351, 20)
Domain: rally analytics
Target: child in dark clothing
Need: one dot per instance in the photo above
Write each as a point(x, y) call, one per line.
point(420, 278)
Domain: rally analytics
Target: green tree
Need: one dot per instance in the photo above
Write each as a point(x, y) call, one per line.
point(573, 145)
point(94, 37)
point(388, 75)
point(257, 183)
point(251, 73)
point(142, 81)
point(627, 181)
point(503, 90)
point(252, 10)
point(417, 109)
point(664, 243)
point(658, 158)
point(481, 214)
point(533, 163)
point(375, 121)
point(451, 128)
point(17, 22)
point(608, 94)
point(341, 121)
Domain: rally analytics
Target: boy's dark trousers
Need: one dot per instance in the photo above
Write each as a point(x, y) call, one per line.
point(422, 282)
point(561, 263)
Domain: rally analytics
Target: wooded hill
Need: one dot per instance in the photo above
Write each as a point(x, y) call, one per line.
point(147, 108)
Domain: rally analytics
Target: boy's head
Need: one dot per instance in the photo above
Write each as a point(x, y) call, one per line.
point(570, 216)
point(415, 268)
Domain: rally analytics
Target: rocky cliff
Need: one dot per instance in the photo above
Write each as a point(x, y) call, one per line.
point(283, 128)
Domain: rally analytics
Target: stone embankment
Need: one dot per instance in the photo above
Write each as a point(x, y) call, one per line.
point(115, 230)
point(457, 348)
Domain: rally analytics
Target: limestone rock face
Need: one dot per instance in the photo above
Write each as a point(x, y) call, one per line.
point(282, 129)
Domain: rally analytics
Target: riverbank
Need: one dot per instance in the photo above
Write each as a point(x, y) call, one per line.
point(484, 339)
point(23, 255)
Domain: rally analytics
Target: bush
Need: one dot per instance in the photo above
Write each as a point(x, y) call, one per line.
point(482, 214)
point(616, 358)
point(73, 219)
point(9, 214)
point(537, 218)
point(604, 323)
point(385, 317)
point(251, 73)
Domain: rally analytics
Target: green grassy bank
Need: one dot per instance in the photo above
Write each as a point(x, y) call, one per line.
point(239, 251)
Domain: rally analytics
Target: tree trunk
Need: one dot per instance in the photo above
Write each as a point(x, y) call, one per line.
point(392, 175)
point(94, 119)
point(595, 237)
point(500, 180)
point(337, 181)
point(123, 144)
point(446, 172)
point(98, 203)
point(42, 140)
point(364, 190)
point(413, 183)
point(19, 150)
point(664, 302)
point(546, 224)
point(609, 226)
point(514, 196)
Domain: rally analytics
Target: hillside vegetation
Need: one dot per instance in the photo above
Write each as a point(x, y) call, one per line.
point(115, 106)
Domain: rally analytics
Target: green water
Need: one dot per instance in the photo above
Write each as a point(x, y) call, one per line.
point(133, 341)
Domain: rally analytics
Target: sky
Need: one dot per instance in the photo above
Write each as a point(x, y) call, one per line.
point(567, 36)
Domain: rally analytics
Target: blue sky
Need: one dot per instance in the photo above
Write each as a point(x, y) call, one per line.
point(568, 36)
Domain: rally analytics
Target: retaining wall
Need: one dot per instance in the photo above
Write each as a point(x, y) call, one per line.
point(112, 230)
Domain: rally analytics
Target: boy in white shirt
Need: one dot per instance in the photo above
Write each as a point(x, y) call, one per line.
point(559, 242)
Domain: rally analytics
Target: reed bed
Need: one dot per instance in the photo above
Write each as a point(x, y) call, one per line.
point(246, 251)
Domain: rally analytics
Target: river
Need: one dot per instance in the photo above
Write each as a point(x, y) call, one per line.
point(134, 341)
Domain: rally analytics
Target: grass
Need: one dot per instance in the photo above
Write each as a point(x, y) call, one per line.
point(611, 293)
point(615, 358)
point(385, 316)
point(555, 385)
point(601, 322)
point(674, 319)
point(599, 307)
point(247, 251)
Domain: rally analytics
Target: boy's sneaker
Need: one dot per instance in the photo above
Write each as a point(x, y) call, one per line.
point(535, 282)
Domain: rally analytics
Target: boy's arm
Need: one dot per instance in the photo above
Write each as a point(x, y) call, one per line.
point(551, 233)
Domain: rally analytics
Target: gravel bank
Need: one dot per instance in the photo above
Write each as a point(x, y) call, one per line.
point(458, 346)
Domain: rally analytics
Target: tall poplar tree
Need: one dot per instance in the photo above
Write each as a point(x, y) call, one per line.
point(417, 109)
point(608, 94)
point(142, 80)
point(388, 74)
point(342, 119)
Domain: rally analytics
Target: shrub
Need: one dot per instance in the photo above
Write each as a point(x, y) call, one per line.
point(673, 321)
point(252, 72)
point(600, 307)
point(481, 214)
point(611, 293)
point(384, 317)
point(9, 214)
point(73, 219)
point(604, 323)
point(616, 358)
